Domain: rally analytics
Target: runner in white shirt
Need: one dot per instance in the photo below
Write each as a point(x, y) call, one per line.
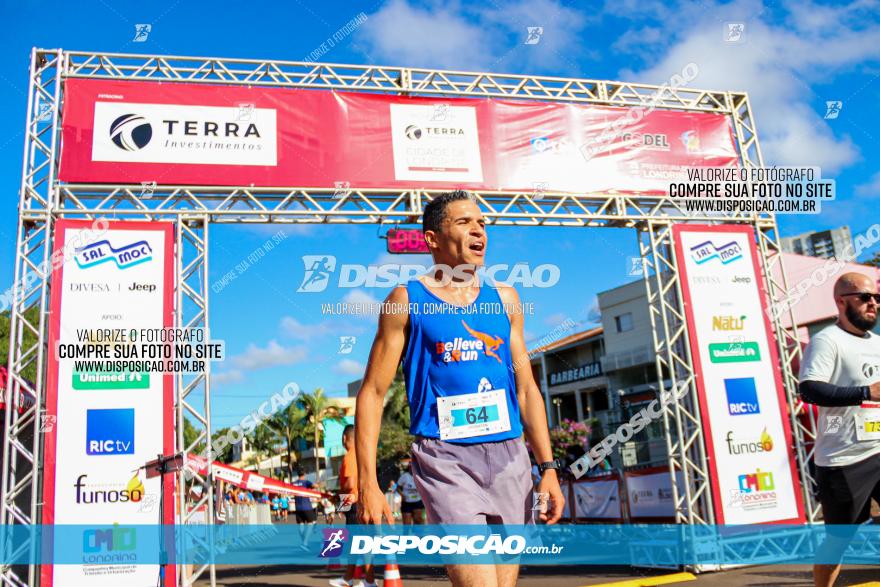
point(412, 508)
point(840, 373)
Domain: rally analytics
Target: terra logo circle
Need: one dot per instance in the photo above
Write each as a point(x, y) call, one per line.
point(413, 132)
point(131, 132)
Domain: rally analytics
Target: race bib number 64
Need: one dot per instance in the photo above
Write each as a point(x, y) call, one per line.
point(473, 414)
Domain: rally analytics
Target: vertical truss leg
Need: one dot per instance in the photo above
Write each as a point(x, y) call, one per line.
point(789, 349)
point(22, 451)
point(681, 416)
point(784, 325)
point(191, 311)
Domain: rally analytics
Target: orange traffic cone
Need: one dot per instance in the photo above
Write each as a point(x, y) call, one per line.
point(391, 577)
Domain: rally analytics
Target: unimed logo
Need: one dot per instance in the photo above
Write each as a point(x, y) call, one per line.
point(110, 432)
point(742, 396)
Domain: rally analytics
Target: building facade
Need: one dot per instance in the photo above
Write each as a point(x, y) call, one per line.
point(827, 244)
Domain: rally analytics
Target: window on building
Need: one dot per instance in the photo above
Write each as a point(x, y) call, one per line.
point(624, 322)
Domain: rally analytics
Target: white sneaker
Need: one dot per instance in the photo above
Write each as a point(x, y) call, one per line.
point(340, 582)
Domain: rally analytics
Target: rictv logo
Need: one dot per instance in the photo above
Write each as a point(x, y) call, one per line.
point(742, 396)
point(110, 432)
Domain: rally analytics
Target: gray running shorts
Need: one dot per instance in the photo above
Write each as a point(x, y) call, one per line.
point(485, 483)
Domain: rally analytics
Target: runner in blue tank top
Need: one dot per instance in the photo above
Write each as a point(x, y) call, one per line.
point(470, 388)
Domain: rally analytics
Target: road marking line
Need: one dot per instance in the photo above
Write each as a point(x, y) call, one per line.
point(652, 581)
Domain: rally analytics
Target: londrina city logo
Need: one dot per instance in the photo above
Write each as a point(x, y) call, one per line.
point(742, 396)
point(108, 545)
point(334, 542)
point(131, 132)
point(726, 253)
point(125, 256)
point(110, 432)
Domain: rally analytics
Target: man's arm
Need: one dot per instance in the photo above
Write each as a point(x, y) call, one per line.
point(531, 404)
point(381, 367)
point(817, 369)
point(825, 394)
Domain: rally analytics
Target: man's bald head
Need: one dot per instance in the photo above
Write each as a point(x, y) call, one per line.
point(856, 313)
point(853, 283)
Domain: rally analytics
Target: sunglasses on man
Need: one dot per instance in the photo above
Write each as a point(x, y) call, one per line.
point(864, 297)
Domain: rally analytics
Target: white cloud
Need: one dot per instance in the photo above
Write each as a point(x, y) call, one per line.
point(349, 367)
point(554, 319)
point(359, 296)
point(776, 64)
point(272, 355)
point(462, 37)
point(234, 376)
point(871, 188)
point(295, 329)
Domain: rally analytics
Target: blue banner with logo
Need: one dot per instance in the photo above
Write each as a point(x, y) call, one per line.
point(563, 544)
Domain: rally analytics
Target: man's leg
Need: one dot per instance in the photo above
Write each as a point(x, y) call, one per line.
point(473, 576)
point(506, 575)
point(825, 575)
point(407, 519)
point(845, 494)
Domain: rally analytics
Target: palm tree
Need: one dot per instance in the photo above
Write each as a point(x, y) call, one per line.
point(262, 440)
point(317, 408)
point(289, 425)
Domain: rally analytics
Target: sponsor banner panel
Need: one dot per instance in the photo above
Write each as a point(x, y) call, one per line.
point(193, 134)
point(649, 494)
point(107, 424)
point(742, 402)
point(598, 498)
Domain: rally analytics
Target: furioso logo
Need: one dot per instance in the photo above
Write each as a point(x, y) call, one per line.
point(124, 257)
point(131, 132)
point(461, 349)
point(132, 492)
point(726, 253)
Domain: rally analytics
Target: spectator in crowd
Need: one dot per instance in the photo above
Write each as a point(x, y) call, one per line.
point(305, 512)
point(274, 507)
point(283, 505)
point(412, 508)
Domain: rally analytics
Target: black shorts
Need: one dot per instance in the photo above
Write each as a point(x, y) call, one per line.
point(409, 507)
point(306, 516)
point(351, 515)
point(846, 492)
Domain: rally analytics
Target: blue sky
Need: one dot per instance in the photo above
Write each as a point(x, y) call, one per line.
point(794, 57)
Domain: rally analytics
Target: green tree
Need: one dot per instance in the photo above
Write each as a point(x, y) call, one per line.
point(874, 261)
point(190, 434)
point(317, 408)
point(32, 314)
point(394, 437)
point(225, 454)
point(289, 425)
point(263, 440)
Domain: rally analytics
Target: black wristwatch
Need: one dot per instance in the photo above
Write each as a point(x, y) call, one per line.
point(554, 464)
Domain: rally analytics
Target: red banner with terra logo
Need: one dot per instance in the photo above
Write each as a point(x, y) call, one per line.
point(193, 134)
